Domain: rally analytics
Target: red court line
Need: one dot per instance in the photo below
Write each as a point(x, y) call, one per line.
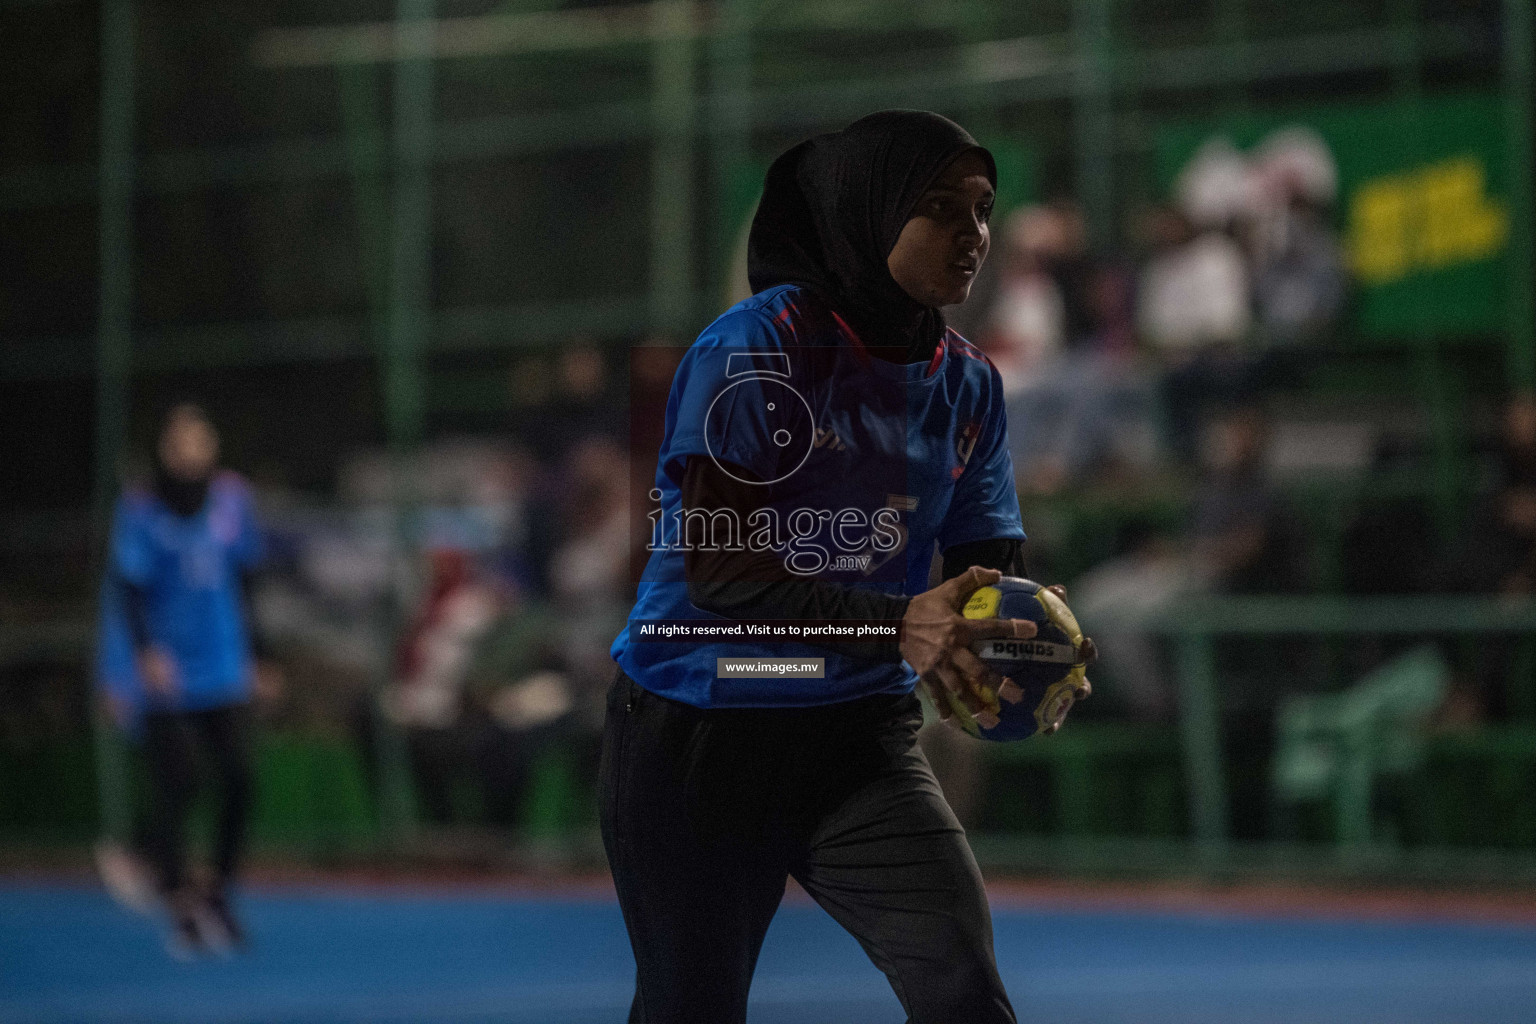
point(1256, 899)
point(1272, 899)
point(1250, 899)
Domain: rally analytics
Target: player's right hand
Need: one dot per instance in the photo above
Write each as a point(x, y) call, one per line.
point(936, 641)
point(158, 670)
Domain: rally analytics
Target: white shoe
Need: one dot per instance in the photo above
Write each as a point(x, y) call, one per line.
point(127, 879)
point(220, 929)
point(186, 940)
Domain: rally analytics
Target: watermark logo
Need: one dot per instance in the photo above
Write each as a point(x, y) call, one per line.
point(762, 377)
point(810, 541)
point(760, 429)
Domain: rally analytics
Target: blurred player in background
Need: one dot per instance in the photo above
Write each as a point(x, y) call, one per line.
point(176, 665)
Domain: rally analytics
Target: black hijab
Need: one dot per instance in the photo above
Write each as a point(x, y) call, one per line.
point(831, 212)
point(185, 497)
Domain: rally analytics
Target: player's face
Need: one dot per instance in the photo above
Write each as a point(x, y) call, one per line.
point(942, 247)
point(189, 448)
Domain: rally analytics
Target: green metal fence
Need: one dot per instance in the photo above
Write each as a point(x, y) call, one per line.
point(1100, 796)
point(719, 86)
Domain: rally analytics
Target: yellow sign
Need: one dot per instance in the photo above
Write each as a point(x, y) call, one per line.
point(1436, 216)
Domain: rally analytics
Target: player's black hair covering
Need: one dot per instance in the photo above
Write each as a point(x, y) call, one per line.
point(831, 212)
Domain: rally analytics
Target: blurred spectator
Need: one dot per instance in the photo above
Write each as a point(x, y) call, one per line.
point(1499, 556)
point(546, 665)
point(1194, 290)
point(589, 572)
point(1517, 436)
point(1060, 332)
point(1026, 327)
point(1238, 540)
point(1194, 313)
point(1299, 276)
point(561, 405)
point(1145, 579)
point(428, 697)
point(527, 698)
point(1242, 541)
point(1246, 267)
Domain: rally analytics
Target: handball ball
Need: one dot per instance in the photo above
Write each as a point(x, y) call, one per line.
point(1049, 667)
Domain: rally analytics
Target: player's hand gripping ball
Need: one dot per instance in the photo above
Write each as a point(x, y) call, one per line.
point(1050, 667)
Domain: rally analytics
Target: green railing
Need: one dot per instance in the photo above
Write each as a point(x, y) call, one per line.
point(1185, 768)
point(1196, 624)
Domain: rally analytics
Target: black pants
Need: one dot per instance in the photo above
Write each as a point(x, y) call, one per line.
point(174, 744)
point(706, 814)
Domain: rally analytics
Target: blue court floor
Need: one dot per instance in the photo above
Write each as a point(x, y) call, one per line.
point(343, 954)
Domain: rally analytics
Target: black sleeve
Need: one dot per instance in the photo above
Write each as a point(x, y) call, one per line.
point(135, 605)
point(1005, 554)
point(259, 646)
point(755, 585)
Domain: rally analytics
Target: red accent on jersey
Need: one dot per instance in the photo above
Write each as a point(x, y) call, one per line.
point(938, 355)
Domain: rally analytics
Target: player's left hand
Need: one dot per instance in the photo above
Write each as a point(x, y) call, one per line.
point(119, 710)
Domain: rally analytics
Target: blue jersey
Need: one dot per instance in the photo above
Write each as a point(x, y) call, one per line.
point(871, 463)
point(189, 569)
